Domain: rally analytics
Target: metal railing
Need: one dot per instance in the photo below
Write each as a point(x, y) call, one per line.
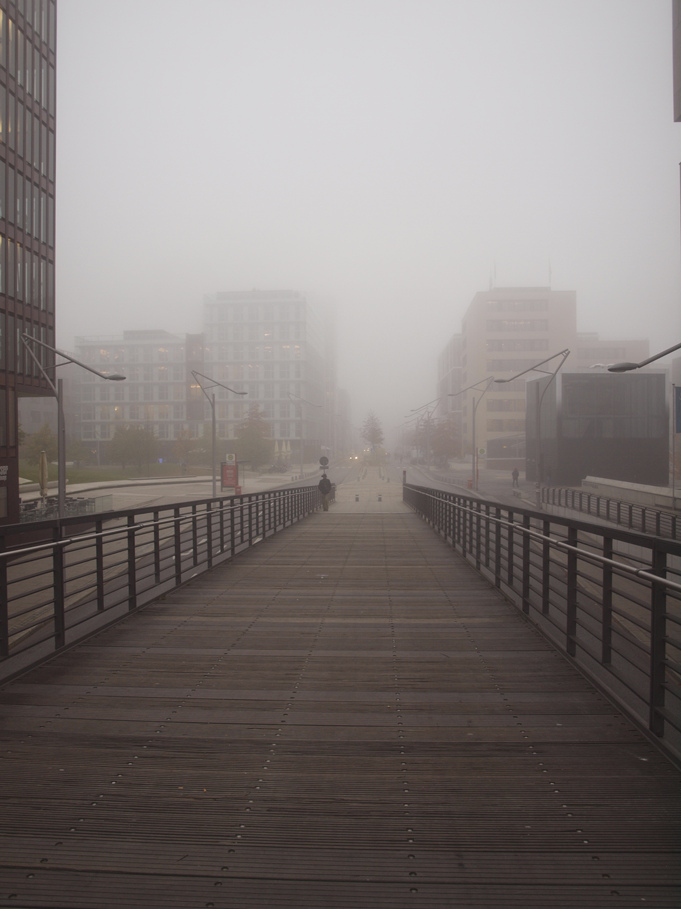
point(608, 598)
point(61, 581)
point(639, 518)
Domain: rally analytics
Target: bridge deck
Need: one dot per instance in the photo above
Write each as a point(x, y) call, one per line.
point(345, 716)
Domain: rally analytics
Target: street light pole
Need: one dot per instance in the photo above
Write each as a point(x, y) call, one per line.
point(58, 391)
point(424, 419)
point(302, 431)
point(476, 402)
point(211, 400)
point(540, 398)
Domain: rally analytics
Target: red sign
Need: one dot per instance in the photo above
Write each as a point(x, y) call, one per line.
point(230, 475)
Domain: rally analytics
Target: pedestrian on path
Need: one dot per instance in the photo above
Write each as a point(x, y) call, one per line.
point(515, 474)
point(325, 489)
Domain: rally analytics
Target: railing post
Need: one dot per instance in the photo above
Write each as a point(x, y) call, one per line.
point(132, 577)
point(497, 549)
point(209, 534)
point(222, 525)
point(606, 611)
point(195, 537)
point(545, 568)
point(99, 563)
point(157, 547)
point(232, 528)
point(571, 607)
point(526, 564)
point(58, 581)
point(511, 543)
point(4, 606)
point(658, 628)
point(177, 540)
point(464, 529)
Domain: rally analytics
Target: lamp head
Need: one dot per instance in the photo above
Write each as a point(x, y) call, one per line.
point(622, 367)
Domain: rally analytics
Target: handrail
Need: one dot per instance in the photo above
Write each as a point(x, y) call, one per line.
point(635, 516)
point(609, 598)
point(57, 586)
point(6, 553)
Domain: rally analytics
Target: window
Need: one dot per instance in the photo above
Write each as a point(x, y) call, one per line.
point(511, 344)
point(28, 66)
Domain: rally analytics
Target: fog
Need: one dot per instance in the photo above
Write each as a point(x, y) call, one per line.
point(391, 157)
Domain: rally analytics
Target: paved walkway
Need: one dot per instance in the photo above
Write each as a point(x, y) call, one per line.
point(346, 715)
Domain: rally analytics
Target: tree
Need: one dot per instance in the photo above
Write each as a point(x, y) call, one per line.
point(371, 431)
point(253, 442)
point(42, 440)
point(133, 445)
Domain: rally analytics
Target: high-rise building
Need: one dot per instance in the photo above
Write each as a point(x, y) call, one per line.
point(28, 40)
point(505, 331)
point(276, 346)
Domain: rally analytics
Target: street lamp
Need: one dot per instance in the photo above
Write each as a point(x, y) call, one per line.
point(302, 424)
point(476, 401)
point(57, 389)
point(626, 367)
point(536, 368)
point(211, 400)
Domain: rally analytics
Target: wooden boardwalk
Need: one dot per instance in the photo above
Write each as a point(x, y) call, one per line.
point(345, 716)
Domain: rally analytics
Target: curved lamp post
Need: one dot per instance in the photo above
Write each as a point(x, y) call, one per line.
point(28, 341)
point(476, 401)
point(536, 368)
point(302, 401)
point(627, 367)
point(211, 400)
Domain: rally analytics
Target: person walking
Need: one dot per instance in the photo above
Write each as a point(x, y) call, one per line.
point(515, 474)
point(324, 486)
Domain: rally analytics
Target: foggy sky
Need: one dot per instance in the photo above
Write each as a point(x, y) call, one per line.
point(393, 157)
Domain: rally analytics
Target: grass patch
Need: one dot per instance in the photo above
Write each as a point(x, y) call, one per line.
point(107, 473)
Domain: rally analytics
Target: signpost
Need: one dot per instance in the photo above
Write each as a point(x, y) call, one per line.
point(229, 472)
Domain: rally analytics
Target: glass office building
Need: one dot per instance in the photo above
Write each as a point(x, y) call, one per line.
point(28, 33)
point(598, 424)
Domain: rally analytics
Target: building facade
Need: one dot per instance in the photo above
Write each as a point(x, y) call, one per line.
point(273, 346)
point(157, 394)
point(28, 41)
point(505, 331)
point(277, 347)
